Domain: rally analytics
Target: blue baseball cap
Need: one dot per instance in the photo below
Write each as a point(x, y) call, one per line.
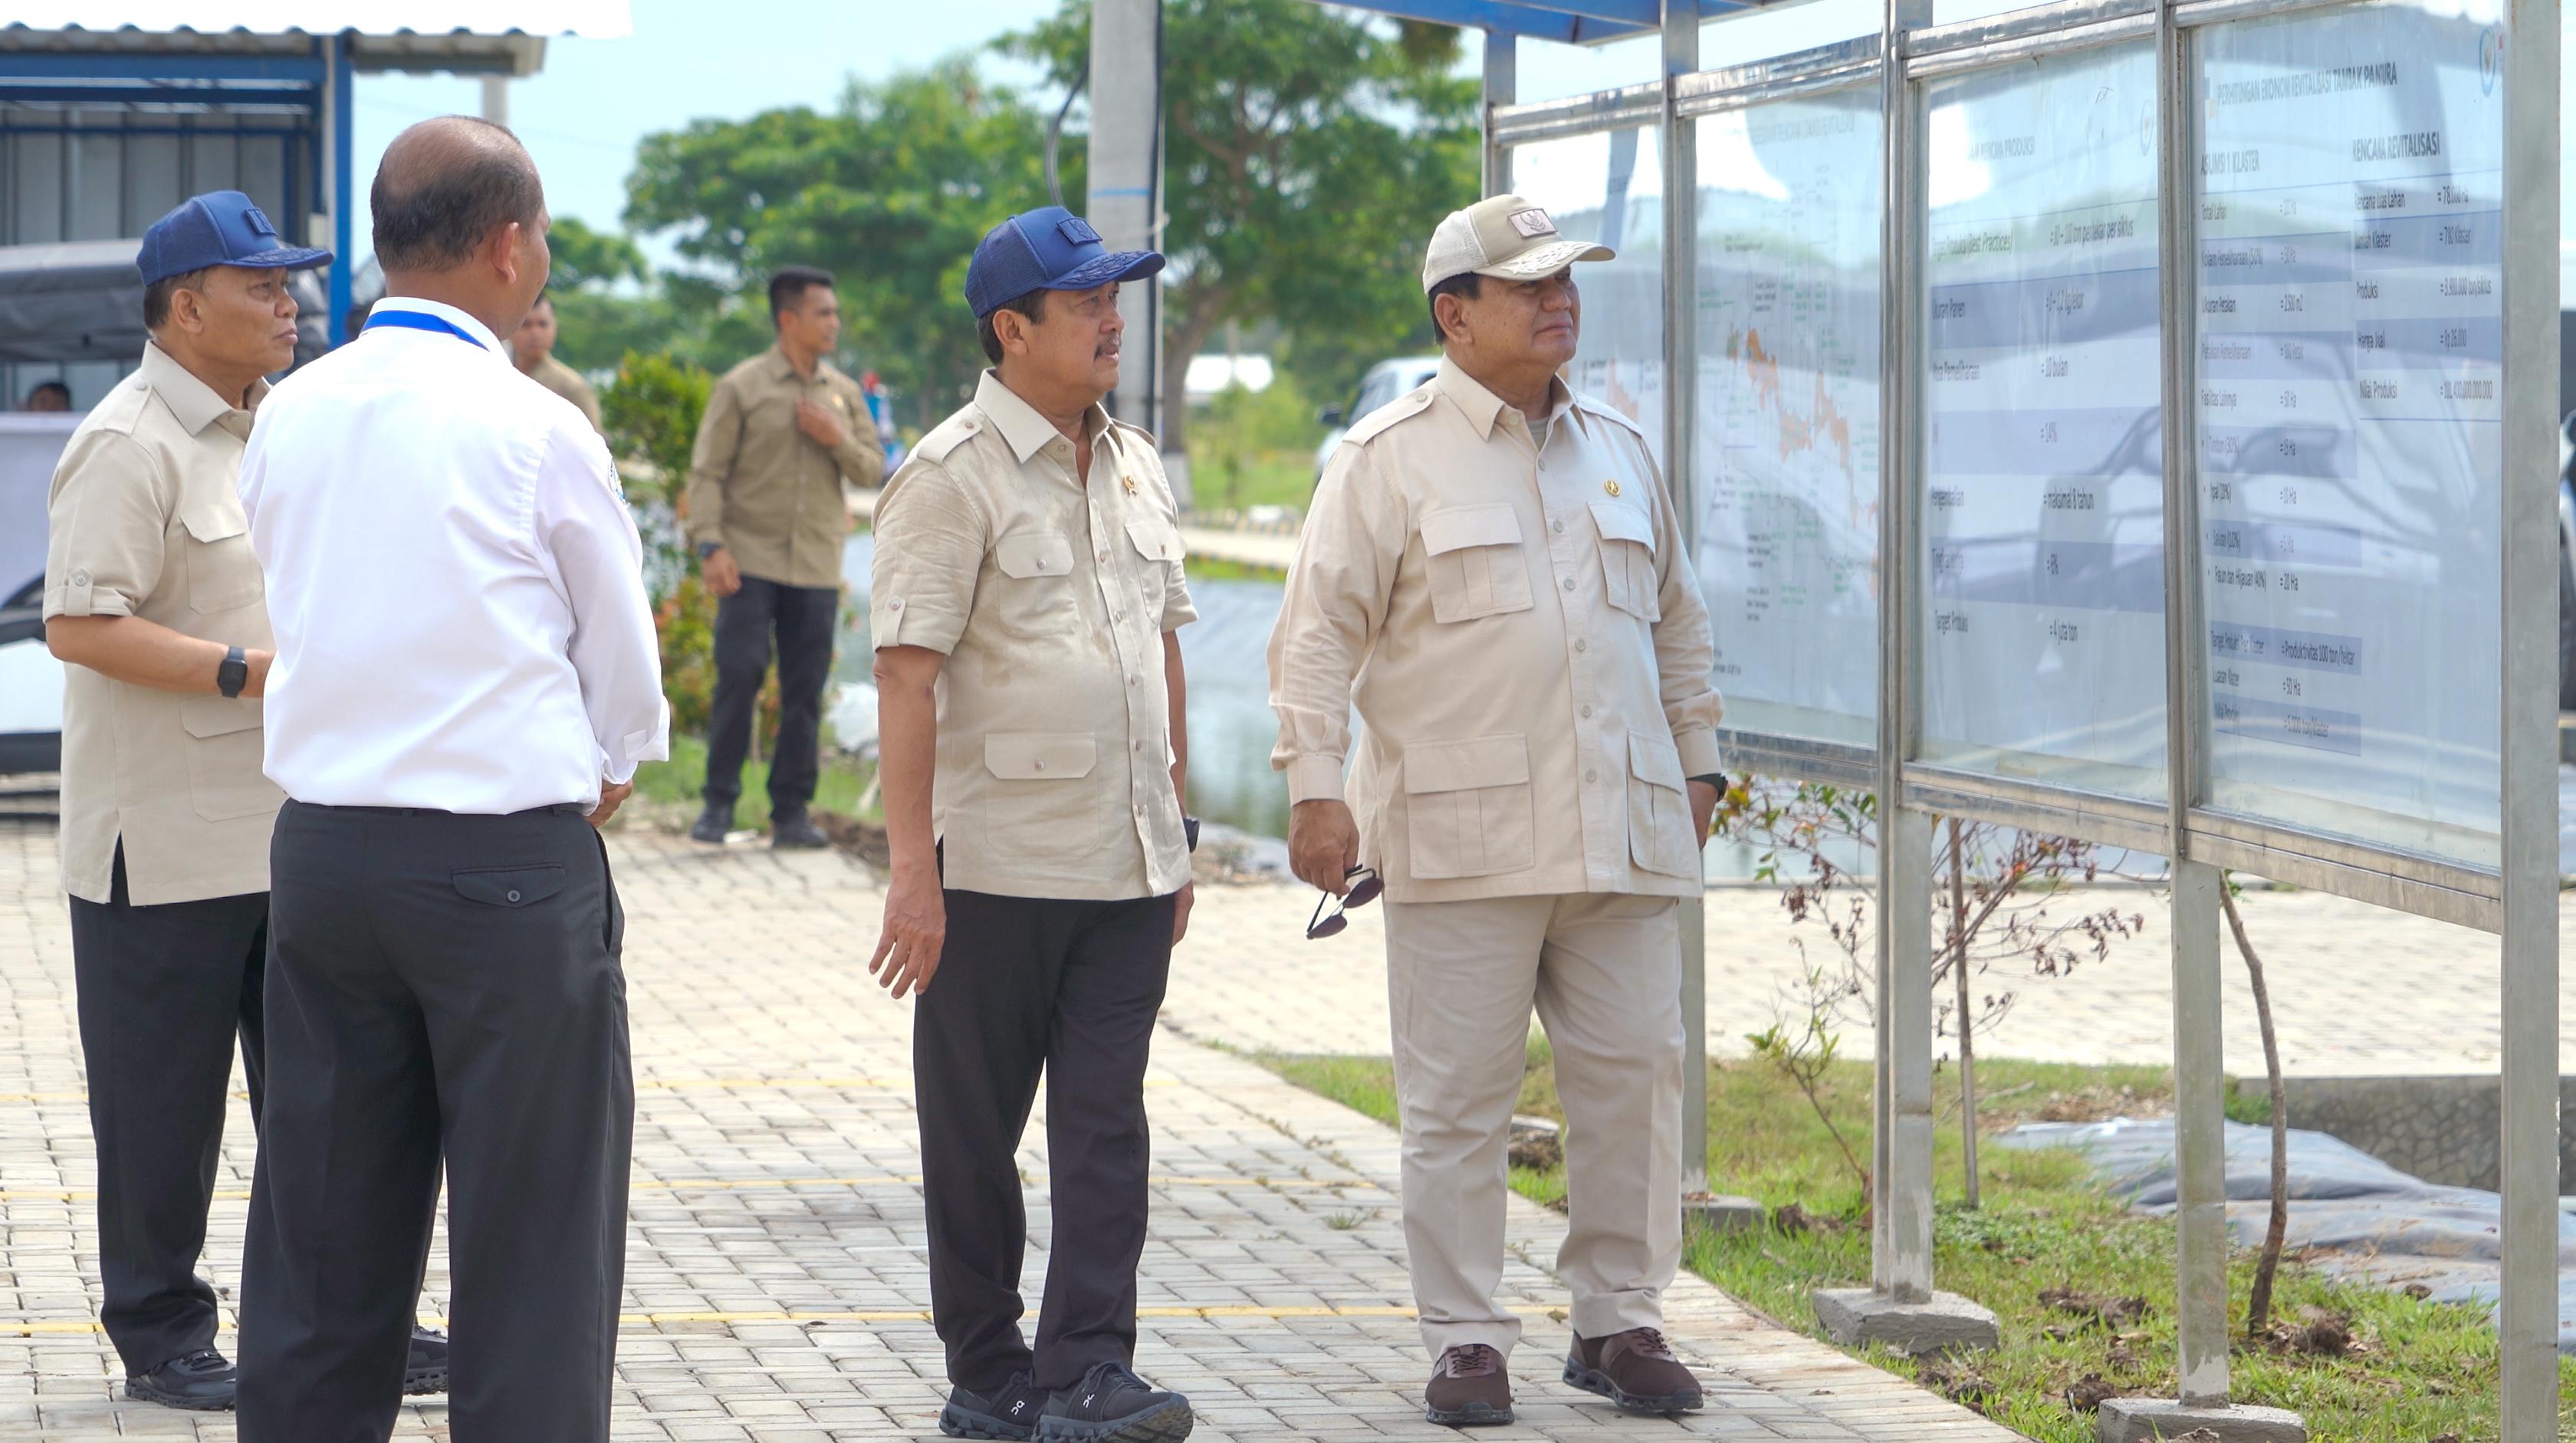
point(219, 228)
point(1047, 249)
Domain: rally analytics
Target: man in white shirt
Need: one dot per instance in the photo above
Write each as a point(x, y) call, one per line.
point(466, 672)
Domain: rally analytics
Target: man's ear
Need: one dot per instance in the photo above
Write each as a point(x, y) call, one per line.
point(1010, 326)
point(1451, 312)
point(188, 309)
point(501, 251)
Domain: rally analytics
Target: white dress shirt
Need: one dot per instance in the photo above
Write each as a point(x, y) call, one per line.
point(454, 579)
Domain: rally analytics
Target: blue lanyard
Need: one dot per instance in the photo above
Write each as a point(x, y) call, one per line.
point(421, 321)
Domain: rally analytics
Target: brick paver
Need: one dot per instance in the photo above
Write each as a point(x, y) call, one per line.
point(775, 1278)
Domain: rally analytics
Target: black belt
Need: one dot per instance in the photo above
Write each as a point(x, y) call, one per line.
point(567, 809)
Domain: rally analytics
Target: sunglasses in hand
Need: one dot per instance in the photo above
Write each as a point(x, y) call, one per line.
point(1364, 889)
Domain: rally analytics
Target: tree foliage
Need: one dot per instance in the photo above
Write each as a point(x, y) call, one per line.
point(890, 191)
point(1307, 155)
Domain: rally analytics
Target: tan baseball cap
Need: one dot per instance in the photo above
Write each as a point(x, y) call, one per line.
point(1503, 236)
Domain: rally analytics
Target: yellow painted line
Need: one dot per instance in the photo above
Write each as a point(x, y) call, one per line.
point(1209, 1313)
point(767, 1184)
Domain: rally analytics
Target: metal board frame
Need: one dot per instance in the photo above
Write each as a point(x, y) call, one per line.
point(2517, 899)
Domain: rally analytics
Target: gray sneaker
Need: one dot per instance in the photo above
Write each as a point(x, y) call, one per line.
point(1011, 1412)
point(1112, 1405)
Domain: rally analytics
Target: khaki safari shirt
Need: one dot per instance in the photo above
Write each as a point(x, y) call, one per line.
point(146, 522)
point(1050, 600)
point(765, 490)
point(566, 382)
point(1511, 612)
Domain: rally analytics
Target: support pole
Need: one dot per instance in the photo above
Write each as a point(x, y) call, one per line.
point(1502, 87)
point(339, 201)
point(496, 99)
point(1125, 203)
point(1900, 1307)
point(2527, 1316)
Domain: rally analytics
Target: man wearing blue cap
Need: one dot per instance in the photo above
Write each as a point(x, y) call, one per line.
point(152, 595)
point(1033, 747)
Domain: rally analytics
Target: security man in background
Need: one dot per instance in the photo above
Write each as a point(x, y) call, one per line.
point(532, 350)
point(1032, 737)
point(783, 430)
point(48, 396)
point(466, 680)
point(1493, 573)
point(153, 596)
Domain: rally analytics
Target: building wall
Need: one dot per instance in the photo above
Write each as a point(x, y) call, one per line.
point(103, 172)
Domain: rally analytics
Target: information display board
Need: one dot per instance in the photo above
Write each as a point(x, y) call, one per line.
point(2350, 393)
point(2043, 508)
point(1609, 187)
point(1787, 471)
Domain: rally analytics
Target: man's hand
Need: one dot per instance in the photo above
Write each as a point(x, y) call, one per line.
point(916, 927)
point(723, 578)
point(611, 795)
point(1181, 911)
point(816, 420)
point(1703, 798)
point(1323, 844)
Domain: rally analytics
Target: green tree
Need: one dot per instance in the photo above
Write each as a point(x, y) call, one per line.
point(1307, 155)
point(890, 191)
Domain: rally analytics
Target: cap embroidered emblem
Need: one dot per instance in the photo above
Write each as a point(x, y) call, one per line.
point(258, 222)
point(1077, 230)
point(1532, 222)
point(1610, 486)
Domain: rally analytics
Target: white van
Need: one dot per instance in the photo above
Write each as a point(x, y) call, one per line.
point(1385, 381)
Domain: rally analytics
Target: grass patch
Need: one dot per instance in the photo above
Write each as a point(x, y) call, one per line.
point(2417, 1370)
point(683, 780)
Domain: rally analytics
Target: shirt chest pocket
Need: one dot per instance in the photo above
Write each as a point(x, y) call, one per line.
point(224, 754)
point(223, 574)
point(1628, 560)
point(1035, 595)
point(1160, 546)
point(1477, 567)
point(1040, 801)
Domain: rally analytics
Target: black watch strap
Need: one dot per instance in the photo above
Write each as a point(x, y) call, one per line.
point(709, 548)
point(1190, 829)
point(234, 674)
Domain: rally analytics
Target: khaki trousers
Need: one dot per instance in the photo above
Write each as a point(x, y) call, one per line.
point(1604, 972)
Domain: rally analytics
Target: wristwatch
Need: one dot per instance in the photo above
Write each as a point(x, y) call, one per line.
point(709, 548)
point(234, 674)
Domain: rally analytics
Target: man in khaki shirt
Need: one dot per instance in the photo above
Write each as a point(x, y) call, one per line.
point(154, 598)
point(532, 349)
point(1032, 732)
point(1492, 573)
point(783, 430)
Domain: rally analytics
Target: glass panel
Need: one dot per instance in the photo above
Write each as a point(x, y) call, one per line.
point(212, 161)
point(35, 210)
point(1609, 187)
point(1787, 464)
point(2350, 340)
point(2043, 512)
point(97, 184)
point(151, 179)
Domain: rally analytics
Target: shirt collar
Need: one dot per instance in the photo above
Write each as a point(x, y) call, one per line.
point(781, 368)
point(1482, 407)
point(196, 404)
point(1019, 422)
point(481, 333)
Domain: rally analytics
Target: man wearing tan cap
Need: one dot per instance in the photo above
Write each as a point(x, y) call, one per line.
point(1492, 575)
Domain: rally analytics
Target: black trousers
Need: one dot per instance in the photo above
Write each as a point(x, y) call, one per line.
point(804, 618)
point(439, 982)
point(1028, 987)
point(163, 992)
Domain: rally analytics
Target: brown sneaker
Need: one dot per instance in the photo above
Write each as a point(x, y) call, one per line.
point(1469, 1388)
point(1633, 1369)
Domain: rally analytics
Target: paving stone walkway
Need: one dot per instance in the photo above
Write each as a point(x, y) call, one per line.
point(775, 1279)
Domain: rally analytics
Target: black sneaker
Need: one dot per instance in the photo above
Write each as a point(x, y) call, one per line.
point(796, 830)
point(1010, 1413)
point(201, 1382)
point(425, 1370)
point(1112, 1405)
point(713, 824)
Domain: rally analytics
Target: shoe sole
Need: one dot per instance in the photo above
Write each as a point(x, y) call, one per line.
point(423, 1381)
point(956, 1422)
point(1474, 1415)
point(143, 1394)
point(1593, 1380)
point(1168, 1424)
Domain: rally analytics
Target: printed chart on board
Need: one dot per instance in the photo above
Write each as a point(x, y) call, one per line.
point(2042, 515)
point(1787, 477)
point(2350, 393)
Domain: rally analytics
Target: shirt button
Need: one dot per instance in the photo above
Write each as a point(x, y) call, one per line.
point(1590, 777)
point(80, 578)
point(1131, 680)
point(1580, 644)
point(1587, 711)
point(514, 896)
point(897, 605)
point(1560, 528)
point(1569, 583)
point(1037, 766)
